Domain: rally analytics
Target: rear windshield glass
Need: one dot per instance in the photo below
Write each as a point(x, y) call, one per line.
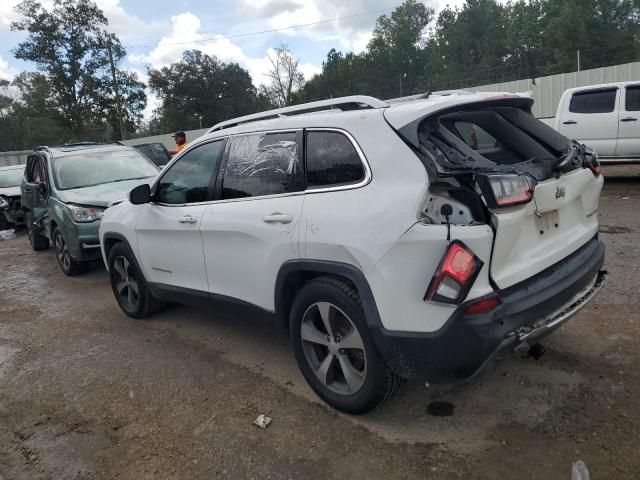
point(96, 167)
point(499, 139)
point(11, 178)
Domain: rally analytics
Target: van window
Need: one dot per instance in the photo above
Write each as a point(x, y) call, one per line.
point(188, 180)
point(262, 164)
point(332, 160)
point(632, 104)
point(595, 101)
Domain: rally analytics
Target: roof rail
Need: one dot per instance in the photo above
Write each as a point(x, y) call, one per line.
point(354, 102)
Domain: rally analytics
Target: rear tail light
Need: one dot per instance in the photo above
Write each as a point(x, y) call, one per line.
point(455, 275)
point(592, 162)
point(505, 190)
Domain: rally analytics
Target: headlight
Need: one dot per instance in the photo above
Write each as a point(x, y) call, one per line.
point(4, 203)
point(84, 214)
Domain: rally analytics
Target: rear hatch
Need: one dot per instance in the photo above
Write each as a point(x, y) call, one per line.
point(531, 237)
point(538, 190)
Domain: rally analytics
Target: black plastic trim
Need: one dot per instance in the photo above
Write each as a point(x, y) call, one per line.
point(339, 269)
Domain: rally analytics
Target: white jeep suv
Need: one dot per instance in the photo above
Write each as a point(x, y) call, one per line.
point(413, 238)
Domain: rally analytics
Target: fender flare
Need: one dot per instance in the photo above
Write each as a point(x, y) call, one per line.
point(326, 267)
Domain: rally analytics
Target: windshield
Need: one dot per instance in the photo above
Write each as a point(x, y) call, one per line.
point(97, 167)
point(11, 178)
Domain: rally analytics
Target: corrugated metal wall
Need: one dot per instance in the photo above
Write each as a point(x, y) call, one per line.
point(548, 90)
point(546, 93)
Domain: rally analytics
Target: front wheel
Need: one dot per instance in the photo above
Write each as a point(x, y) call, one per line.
point(129, 286)
point(68, 265)
point(38, 242)
point(334, 349)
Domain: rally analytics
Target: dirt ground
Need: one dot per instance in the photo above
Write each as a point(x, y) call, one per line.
point(86, 392)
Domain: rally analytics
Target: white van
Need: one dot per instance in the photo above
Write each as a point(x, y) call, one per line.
point(605, 117)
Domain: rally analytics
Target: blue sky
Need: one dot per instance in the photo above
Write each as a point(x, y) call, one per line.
point(156, 32)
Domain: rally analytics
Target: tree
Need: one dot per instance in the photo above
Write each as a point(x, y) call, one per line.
point(71, 47)
point(199, 91)
point(284, 76)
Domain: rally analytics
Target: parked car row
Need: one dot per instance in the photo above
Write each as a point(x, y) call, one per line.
point(388, 238)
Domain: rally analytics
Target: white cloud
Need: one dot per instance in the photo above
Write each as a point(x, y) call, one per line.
point(127, 27)
point(185, 36)
point(7, 72)
point(352, 34)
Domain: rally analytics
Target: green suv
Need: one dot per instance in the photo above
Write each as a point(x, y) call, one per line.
point(65, 191)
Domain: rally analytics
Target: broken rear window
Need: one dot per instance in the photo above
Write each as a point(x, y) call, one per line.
point(492, 139)
point(262, 164)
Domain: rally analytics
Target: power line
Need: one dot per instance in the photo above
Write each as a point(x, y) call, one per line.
point(273, 30)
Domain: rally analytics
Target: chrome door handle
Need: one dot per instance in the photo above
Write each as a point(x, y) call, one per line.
point(188, 219)
point(277, 217)
point(629, 119)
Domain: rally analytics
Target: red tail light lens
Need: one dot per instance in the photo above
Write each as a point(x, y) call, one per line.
point(482, 306)
point(455, 275)
point(507, 190)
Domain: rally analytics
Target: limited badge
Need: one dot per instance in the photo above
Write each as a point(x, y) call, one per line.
point(560, 192)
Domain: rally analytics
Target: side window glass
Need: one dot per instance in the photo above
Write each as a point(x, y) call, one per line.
point(35, 173)
point(262, 164)
point(332, 160)
point(632, 103)
point(599, 101)
point(187, 181)
point(475, 136)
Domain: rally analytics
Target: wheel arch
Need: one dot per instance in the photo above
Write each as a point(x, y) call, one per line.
point(111, 239)
point(294, 274)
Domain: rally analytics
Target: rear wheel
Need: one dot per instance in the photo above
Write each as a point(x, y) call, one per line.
point(129, 286)
point(334, 349)
point(38, 242)
point(69, 266)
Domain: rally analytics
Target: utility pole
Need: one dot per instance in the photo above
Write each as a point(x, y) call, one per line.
point(578, 55)
point(116, 90)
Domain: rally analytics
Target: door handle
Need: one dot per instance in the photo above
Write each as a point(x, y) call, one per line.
point(629, 119)
point(569, 122)
point(188, 219)
point(277, 217)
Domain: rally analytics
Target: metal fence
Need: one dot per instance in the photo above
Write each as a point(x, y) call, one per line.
point(546, 92)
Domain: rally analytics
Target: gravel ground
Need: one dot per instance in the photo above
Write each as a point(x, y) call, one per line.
point(86, 392)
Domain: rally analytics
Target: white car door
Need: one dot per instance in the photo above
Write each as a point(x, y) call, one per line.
point(252, 229)
point(629, 132)
point(168, 229)
point(592, 118)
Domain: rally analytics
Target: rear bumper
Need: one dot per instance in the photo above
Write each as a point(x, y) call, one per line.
point(529, 311)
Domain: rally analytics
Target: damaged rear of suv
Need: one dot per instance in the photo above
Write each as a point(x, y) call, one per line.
point(413, 238)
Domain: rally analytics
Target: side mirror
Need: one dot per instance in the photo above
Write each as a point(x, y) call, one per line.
point(140, 195)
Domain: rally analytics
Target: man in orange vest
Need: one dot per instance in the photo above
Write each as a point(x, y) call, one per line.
point(181, 142)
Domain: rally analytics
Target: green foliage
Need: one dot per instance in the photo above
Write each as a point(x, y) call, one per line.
point(71, 48)
point(201, 90)
point(482, 42)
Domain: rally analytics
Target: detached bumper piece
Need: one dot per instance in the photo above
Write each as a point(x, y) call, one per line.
point(528, 311)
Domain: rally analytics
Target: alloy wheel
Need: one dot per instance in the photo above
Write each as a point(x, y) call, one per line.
point(333, 348)
point(62, 252)
point(127, 286)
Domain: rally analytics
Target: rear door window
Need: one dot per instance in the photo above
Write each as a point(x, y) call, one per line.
point(262, 164)
point(188, 180)
point(595, 101)
point(332, 160)
point(632, 102)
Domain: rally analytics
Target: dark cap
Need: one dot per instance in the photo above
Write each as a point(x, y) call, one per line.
point(179, 133)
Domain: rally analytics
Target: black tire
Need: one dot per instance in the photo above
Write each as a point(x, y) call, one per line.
point(38, 242)
point(4, 223)
point(376, 381)
point(68, 265)
point(145, 303)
